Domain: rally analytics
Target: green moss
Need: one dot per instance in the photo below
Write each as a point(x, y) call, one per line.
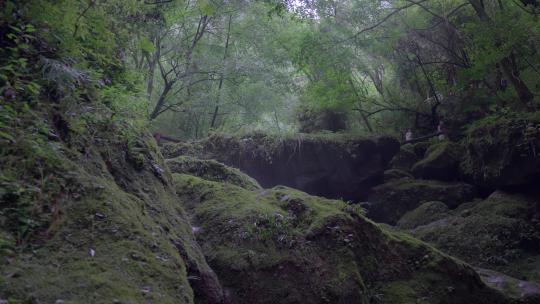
point(502, 150)
point(495, 233)
point(400, 292)
point(262, 243)
point(441, 162)
point(391, 200)
point(424, 214)
point(211, 170)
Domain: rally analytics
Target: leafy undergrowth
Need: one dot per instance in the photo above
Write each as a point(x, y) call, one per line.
point(284, 246)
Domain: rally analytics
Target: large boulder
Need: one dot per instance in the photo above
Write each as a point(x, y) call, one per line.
point(329, 165)
point(501, 232)
point(503, 151)
point(284, 246)
point(424, 214)
point(391, 174)
point(441, 162)
point(211, 170)
point(390, 201)
point(405, 158)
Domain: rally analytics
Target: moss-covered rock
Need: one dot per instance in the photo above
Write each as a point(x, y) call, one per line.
point(115, 234)
point(284, 246)
point(405, 158)
point(501, 232)
point(329, 165)
point(390, 201)
point(503, 151)
point(441, 162)
point(420, 148)
point(424, 214)
point(211, 170)
point(391, 174)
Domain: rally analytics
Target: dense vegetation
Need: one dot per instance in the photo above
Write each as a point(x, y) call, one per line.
point(193, 67)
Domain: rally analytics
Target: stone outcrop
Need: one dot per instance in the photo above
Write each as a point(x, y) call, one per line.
point(333, 166)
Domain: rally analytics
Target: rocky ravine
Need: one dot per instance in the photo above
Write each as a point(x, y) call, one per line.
point(464, 198)
point(124, 233)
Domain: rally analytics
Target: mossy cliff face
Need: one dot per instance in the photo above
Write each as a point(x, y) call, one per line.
point(503, 151)
point(501, 232)
point(284, 246)
point(117, 235)
point(334, 166)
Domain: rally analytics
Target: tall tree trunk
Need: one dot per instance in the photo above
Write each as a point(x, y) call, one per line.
point(218, 97)
point(510, 70)
point(169, 83)
point(362, 113)
point(161, 101)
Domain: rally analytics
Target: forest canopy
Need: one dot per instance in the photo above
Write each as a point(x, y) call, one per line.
point(190, 68)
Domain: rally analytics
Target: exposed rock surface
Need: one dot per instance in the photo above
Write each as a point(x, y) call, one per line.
point(501, 232)
point(334, 166)
point(503, 152)
point(390, 201)
point(284, 246)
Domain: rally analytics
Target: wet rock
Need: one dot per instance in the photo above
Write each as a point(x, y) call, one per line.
point(518, 290)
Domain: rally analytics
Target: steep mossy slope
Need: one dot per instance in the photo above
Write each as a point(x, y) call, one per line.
point(95, 219)
point(284, 246)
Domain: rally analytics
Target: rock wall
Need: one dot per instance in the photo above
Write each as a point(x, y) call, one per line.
point(333, 166)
